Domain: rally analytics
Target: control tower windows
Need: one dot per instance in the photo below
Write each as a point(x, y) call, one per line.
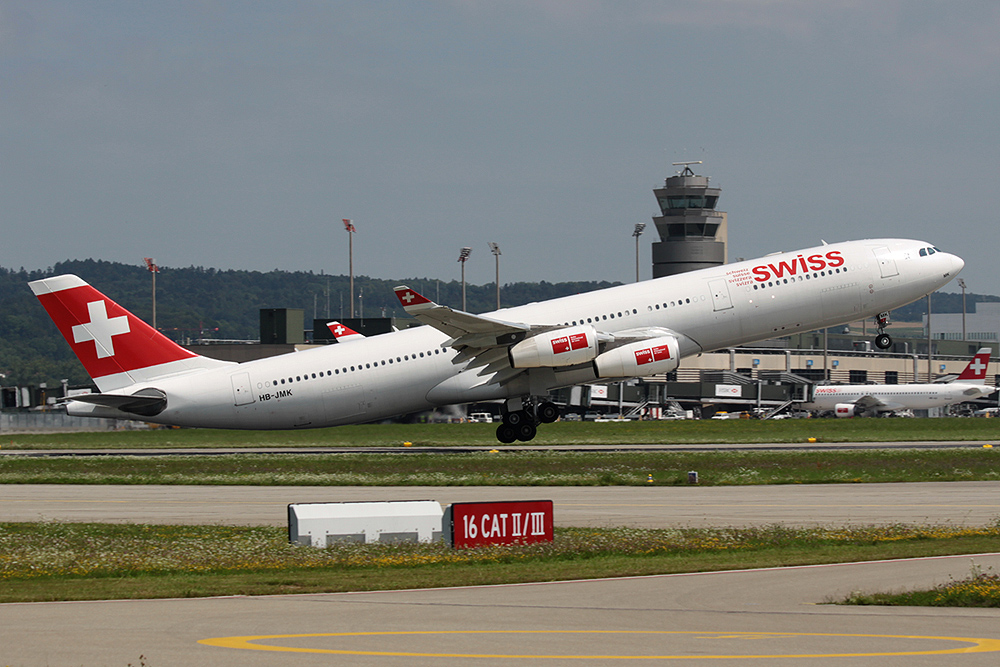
point(673, 202)
point(692, 229)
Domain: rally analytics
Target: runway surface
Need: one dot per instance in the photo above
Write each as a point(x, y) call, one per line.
point(772, 617)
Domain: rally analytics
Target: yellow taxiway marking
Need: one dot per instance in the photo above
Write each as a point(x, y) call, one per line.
point(972, 645)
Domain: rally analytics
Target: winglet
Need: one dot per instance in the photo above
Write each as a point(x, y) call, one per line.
point(976, 370)
point(411, 299)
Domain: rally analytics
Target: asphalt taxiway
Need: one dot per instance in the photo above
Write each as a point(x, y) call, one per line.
point(954, 503)
point(773, 617)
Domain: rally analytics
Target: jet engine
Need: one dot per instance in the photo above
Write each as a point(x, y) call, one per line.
point(845, 410)
point(652, 356)
point(562, 347)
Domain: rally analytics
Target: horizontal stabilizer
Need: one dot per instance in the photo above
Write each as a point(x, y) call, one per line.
point(146, 403)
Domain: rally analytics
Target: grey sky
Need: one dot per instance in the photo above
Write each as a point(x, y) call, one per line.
point(238, 134)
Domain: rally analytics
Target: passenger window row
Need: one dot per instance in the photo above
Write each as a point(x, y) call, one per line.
point(357, 367)
point(799, 278)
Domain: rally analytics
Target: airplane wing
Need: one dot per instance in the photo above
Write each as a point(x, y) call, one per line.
point(871, 403)
point(491, 343)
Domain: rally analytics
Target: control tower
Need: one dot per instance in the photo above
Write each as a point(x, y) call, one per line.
point(692, 233)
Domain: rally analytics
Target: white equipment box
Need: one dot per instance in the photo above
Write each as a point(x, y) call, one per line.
point(323, 524)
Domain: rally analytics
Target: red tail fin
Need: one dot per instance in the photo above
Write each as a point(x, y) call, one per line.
point(116, 347)
point(976, 370)
point(343, 333)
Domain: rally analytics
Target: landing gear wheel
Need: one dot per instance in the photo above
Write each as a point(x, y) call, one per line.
point(547, 413)
point(506, 434)
point(883, 341)
point(516, 418)
point(525, 431)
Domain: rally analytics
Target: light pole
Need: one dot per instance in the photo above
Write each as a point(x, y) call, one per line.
point(463, 255)
point(929, 341)
point(349, 226)
point(637, 232)
point(495, 249)
point(153, 269)
point(961, 283)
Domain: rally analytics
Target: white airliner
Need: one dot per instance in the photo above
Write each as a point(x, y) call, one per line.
point(849, 400)
point(516, 354)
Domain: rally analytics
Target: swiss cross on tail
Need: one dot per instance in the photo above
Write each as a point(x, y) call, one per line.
point(108, 340)
point(976, 370)
point(101, 329)
point(409, 298)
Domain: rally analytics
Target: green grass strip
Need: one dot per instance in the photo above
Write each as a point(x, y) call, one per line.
point(72, 561)
point(980, 589)
point(514, 468)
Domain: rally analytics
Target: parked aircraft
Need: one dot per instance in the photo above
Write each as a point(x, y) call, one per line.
point(515, 354)
point(850, 400)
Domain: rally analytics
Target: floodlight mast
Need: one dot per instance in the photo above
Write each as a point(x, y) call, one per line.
point(463, 255)
point(961, 283)
point(495, 249)
point(637, 232)
point(349, 226)
point(153, 270)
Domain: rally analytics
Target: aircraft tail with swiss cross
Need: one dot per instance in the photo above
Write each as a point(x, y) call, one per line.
point(116, 347)
point(975, 372)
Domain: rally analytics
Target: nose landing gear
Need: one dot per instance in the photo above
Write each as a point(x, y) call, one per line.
point(883, 341)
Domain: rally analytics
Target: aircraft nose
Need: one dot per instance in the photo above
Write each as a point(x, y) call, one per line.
point(956, 264)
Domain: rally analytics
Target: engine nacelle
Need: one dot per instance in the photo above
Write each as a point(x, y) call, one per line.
point(649, 357)
point(844, 410)
point(562, 347)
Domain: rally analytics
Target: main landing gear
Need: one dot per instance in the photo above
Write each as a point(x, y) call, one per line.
point(521, 418)
point(883, 341)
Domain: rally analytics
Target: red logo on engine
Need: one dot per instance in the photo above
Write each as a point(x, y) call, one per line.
point(578, 341)
point(650, 354)
point(661, 352)
point(567, 343)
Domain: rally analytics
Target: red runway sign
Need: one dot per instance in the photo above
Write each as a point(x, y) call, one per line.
point(518, 522)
